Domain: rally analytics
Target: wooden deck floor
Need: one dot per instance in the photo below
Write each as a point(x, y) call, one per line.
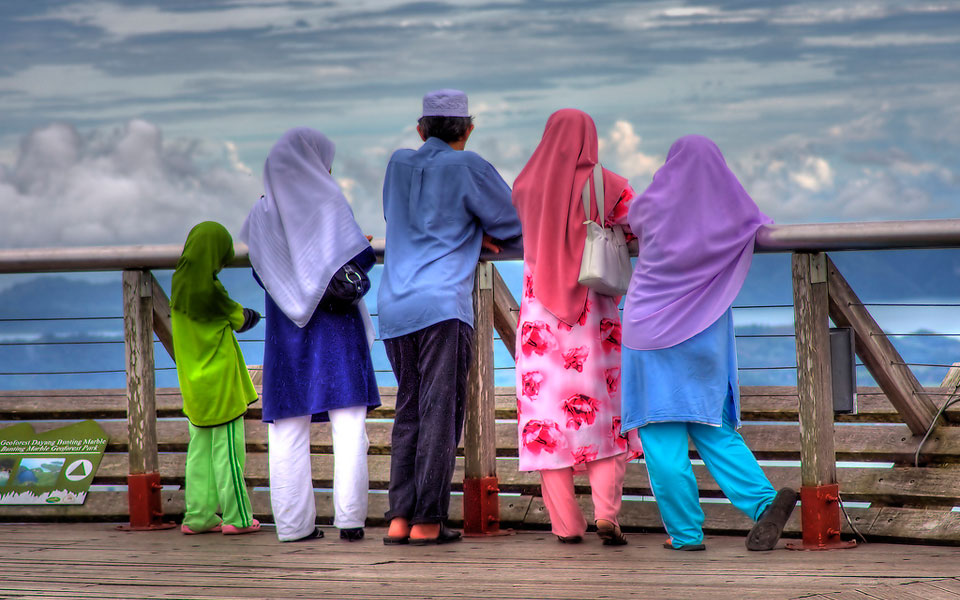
point(95, 561)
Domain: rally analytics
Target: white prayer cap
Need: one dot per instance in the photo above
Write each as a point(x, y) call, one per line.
point(445, 103)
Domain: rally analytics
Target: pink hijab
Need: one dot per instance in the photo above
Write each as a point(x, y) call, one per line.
point(547, 196)
point(697, 227)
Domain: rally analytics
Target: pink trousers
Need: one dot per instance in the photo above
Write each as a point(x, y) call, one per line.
point(606, 488)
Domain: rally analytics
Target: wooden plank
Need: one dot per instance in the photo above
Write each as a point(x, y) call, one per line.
point(879, 356)
point(896, 486)
point(757, 403)
point(479, 431)
point(890, 592)
point(933, 590)
point(779, 404)
point(911, 525)
point(112, 506)
point(94, 561)
point(141, 386)
point(162, 324)
point(89, 561)
point(506, 313)
point(952, 378)
point(951, 586)
point(888, 443)
point(256, 374)
point(77, 405)
point(814, 383)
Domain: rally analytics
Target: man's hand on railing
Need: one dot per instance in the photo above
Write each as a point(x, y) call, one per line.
point(490, 244)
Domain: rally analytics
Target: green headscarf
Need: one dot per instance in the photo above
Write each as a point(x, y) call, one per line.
point(196, 290)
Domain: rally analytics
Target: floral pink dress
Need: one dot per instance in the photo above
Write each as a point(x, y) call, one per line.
point(568, 380)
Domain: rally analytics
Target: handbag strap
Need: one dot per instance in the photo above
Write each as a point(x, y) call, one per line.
point(598, 190)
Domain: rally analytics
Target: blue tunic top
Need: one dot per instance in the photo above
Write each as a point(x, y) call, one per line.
point(687, 382)
point(437, 202)
point(323, 366)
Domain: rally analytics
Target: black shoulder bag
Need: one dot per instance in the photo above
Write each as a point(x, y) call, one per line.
point(347, 286)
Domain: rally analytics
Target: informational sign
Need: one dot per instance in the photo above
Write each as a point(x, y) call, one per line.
point(54, 467)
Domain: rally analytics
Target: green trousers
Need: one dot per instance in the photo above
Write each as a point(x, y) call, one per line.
point(215, 460)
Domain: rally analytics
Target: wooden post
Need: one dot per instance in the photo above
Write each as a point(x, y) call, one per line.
point(481, 508)
point(814, 382)
point(879, 356)
point(161, 316)
point(819, 491)
point(505, 313)
point(143, 482)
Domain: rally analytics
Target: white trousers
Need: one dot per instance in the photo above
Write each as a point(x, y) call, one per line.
point(291, 478)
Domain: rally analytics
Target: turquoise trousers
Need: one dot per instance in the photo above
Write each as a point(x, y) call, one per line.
point(214, 478)
point(732, 464)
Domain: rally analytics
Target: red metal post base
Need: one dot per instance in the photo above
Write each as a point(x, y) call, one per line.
point(143, 498)
point(820, 513)
point(481, 506)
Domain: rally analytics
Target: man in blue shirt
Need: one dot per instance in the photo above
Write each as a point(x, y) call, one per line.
point(441, 203)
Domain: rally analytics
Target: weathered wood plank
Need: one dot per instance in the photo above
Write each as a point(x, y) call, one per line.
point(879, 356)
point(112, 506)
point(933, 590)
point(900, 485)
point(889, 443)
point(951, 585)
point(814, 380)
point(92, 560)
point(757, 403)
point(952, 378)
point(877, 524)
point(162, 325)
point(141, 386)
point(479, 434)
point(889, 592)
point(506, 313)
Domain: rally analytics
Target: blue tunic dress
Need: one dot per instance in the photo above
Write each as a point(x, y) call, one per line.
point(694, 381)
point(323, 366)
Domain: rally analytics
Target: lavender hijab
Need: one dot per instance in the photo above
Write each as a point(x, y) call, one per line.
point(697, 227)
point(302, 229)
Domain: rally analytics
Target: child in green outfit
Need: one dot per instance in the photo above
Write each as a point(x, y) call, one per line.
point(214, 383)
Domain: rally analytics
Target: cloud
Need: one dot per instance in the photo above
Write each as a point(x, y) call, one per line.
point(623, 141)
point(815, 175)
point(881, 40)
point(850, 174)
point(880, 194)
point(119, 185)
point(121, 21)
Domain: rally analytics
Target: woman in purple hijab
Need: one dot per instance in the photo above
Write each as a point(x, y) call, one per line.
point(697, 227)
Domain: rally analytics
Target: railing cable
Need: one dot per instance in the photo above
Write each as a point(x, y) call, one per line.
point(933, 425)
point(22, 319)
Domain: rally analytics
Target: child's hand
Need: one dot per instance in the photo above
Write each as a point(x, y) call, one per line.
point(250, 319)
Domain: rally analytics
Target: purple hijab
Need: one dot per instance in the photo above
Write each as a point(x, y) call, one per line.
point(697, 227)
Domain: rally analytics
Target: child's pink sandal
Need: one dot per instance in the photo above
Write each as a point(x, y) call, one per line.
point(187, 531)
point(234, 530)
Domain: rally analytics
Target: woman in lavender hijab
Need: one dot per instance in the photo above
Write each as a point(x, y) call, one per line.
point(697, 227)
point(317, 364)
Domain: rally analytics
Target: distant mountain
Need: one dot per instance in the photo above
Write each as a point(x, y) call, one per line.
point(876, 276)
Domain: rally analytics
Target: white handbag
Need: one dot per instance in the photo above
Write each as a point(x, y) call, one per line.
point(605, 267)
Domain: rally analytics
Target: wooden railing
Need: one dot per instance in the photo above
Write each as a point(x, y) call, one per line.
point(820, 294)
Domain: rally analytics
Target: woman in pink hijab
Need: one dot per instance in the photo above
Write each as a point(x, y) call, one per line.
point(697, 227)
point(568, 347)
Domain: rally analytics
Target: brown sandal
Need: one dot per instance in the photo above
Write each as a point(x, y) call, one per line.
point(610, 533)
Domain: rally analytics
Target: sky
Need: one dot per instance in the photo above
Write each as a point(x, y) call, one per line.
point(128, 121)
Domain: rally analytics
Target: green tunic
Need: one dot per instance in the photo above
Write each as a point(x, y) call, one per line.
point(214, 381)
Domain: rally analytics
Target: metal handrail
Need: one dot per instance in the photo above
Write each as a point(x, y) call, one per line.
point(879, 235)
